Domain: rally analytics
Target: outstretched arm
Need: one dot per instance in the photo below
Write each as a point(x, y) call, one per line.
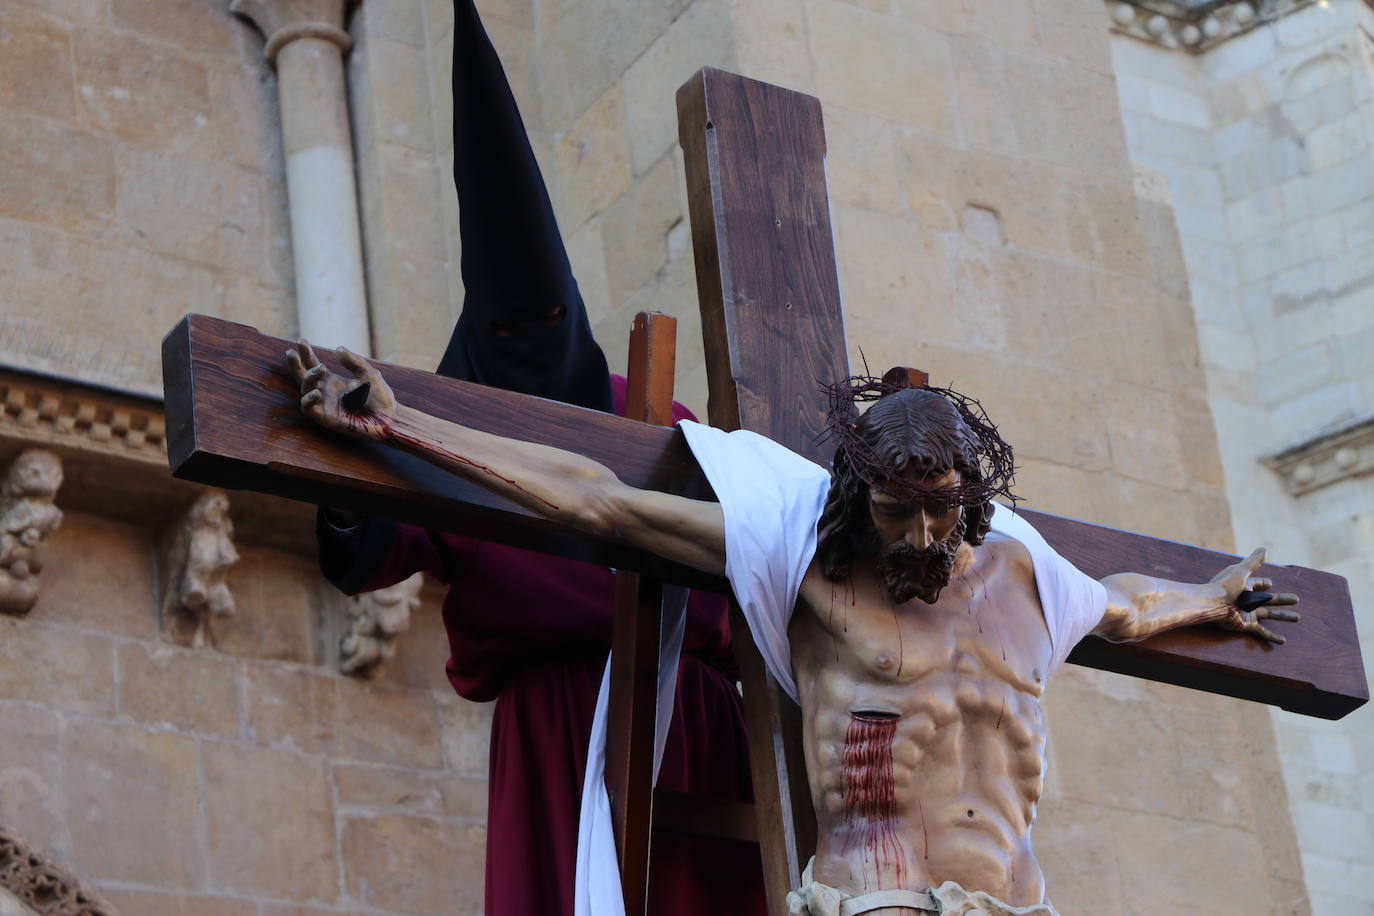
point(1139, 606)
point(555, 483)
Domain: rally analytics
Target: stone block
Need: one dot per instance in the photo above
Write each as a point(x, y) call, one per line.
point(414, 865)
point(101, 577)
point(587, 253)
point(30, 799)
point(1074, 32)
point(149, 903)
point(1148, 846)
point(1069, 115)
point(397, 92)
point(1336, 187)
point(983, 110)
point(1170, 103)
point(188, 691)
point(60, 668)
point(930, 176)
point(247, 123)
point(1144, 435)
point(635, 229)
point(518, 13)
point(188, 25)
point(134, 803)
point(467, 734)
point(896, 70)
point(144, 92)
point(1030, 199)
point(1046, 415)
point(1080, 869)
point(341, 717)
point(275, 597)
point(592, 161)
point(55, 174)
point(422, 650)
point(396, 20)
point(584, 48)
point(411, 791)
point(36, 64)
point(905, 294)
point(515, 47)
point(204, 210)
point(700, 37)
point(269, 822)
point(1246, 53)
point(1063, 490)
point(771, 35)
point(1098, 764)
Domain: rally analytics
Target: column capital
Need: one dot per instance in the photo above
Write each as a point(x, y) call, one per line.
point(283, 21)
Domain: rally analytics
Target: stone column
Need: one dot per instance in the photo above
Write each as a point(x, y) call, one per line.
point(305, 42)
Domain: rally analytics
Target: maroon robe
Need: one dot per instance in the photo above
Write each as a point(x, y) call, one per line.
point(532, 632)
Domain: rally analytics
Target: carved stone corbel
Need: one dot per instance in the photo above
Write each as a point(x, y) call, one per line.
point(27, 517)
point(41, 885)
point(197, 554)
point(1190, 25)
point(377, 619)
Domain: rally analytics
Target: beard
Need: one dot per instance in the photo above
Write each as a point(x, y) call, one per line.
point(911, 572)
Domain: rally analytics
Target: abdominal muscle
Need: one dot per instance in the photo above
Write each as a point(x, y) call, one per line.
point(941, 790)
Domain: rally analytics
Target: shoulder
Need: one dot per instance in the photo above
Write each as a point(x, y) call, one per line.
point(1012, 555)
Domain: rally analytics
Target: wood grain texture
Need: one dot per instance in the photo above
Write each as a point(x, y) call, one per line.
point(773, 332)
point(233, 421)
point(633, 709)
point(1317, 672)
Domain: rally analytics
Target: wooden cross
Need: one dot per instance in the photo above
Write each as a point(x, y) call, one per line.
point(773, 329)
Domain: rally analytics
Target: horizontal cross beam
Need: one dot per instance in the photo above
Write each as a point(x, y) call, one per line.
point(233, 421)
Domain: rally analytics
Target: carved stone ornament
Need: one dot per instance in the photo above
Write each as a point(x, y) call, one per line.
point(40, 410)
point(284, 21)
point(27, 517)
point(1195, 25)
point(377, 620)
point(43, 886)
point(197, 556)
point(1326, 459)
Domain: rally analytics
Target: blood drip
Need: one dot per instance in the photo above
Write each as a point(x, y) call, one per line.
point(870, 794)
point(436, 449)
point(901, 646)
point(834, 643)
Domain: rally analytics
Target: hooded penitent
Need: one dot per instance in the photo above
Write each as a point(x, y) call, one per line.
point(524, 326)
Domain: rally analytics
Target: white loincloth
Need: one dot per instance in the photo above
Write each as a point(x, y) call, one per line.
point(771, 498)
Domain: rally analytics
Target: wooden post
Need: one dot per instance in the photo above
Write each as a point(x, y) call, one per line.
point(773, 331)
point(632, 718)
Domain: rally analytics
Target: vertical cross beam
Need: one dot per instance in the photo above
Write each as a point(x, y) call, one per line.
point(773, 330)
point(632, 716)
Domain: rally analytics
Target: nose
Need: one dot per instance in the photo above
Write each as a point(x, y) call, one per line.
point(918, 534)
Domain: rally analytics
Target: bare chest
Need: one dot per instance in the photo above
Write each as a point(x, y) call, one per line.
point(986, 625)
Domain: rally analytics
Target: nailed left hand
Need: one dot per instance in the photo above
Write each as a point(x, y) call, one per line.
point(1250, 600)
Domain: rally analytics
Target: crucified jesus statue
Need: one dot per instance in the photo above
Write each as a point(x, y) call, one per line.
point(916, 620)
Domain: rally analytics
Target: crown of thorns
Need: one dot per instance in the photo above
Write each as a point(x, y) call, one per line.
point(989, 451)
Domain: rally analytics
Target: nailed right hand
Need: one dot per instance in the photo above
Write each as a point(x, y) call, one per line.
point(362, 406)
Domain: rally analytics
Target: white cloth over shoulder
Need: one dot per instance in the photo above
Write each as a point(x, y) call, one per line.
point(771, 498)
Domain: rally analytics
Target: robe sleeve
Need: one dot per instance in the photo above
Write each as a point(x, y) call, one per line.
point(376, 553)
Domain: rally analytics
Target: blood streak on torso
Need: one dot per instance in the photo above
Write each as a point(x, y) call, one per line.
point(870, 795)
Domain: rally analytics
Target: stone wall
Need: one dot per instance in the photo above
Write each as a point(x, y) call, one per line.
point(140, 179)
point(1263, 145)
point(989, 230)
point(238, 773)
